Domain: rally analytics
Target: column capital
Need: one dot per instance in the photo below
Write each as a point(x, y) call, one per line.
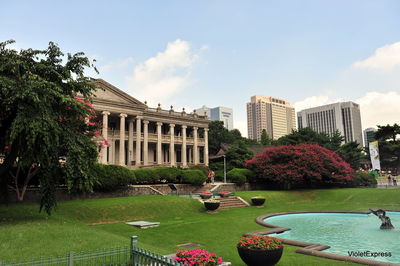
point(184, 126)
point(105, 113)
point(159, 124)
point(146, 122)
point(139, 117)
point(123, 115)
point(195, 128)
point(206, 129)
point(171, 125)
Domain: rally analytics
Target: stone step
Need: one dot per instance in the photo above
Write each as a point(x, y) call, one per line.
point(231, 202)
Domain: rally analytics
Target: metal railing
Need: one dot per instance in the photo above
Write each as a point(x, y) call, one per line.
point(114, 256)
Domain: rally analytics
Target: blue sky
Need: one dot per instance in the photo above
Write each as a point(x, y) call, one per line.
point(220, 53)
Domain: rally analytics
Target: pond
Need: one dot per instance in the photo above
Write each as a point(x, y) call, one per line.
point(348, 234)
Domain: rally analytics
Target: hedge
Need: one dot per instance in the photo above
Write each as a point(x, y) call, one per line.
point(111, 177)
point(194, 177)
point(147, 176)
point(236, 176)
point(170, 174)
point(363, 180)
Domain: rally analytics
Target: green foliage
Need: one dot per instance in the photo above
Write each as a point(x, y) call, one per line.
point(202, 168)
point(265, 139)
point(219, 175)
point(237, 155)
point(389, 146)
point(147, 176)
point(240, 175)
point(351, 153)
point(194, 177)
point(170, 174)
point(362, 179)
point(41, 120)
point(112, 177)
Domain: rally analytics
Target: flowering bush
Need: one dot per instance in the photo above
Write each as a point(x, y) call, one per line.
point(224, 192)
point(302, 165)
point(259, 242)
point(206, 193)
point(197, 257)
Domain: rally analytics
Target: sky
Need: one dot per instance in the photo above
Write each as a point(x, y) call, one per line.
point(222, 52)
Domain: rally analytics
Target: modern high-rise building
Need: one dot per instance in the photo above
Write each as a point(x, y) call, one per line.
point(219, 113)
point(274, 115)
point(369, 135)
point(342, 116)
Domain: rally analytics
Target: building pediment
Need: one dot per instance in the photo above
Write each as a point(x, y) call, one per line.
point(107, 92)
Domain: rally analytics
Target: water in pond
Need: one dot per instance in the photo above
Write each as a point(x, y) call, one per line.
point(344, 232)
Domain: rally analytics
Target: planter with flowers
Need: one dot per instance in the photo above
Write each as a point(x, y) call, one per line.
point(197, 257)
point(257, 201)
point(206, 195)
point(257, 250)
point(224, 194)
point(211, 205)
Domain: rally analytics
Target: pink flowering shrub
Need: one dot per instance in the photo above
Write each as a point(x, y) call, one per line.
point(197, 257)
point(259, 242)
point(302, 165)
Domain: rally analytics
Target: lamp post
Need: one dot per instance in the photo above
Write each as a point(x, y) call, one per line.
point(224, 168)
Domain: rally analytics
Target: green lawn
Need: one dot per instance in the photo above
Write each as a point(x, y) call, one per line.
point(91, 224)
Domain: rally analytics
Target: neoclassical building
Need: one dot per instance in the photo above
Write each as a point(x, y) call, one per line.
point(139, 136)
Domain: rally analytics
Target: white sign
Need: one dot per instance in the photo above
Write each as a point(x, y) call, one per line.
point(374, 152)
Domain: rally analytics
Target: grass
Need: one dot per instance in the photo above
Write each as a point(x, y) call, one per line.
point(91, 224)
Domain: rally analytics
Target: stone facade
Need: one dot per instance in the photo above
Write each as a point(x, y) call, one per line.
point(150, 137)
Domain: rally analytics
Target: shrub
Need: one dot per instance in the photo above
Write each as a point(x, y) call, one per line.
point(170, 174)
point(363, 180)
point(219, 175)
point(111, 177)
point(197, 257)
point(194, 177)
point(236, 176)
point(147, 176)
point(303, 165)
point(240, 175)
point(202, 168)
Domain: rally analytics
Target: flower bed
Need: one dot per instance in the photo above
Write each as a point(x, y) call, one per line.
point(197, 257)
point(260, 250)
point(206, 195)
point(224, 193)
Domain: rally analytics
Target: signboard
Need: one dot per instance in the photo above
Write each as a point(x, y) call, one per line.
point(374, 152)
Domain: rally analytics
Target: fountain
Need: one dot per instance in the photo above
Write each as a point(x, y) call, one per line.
point(386, 223)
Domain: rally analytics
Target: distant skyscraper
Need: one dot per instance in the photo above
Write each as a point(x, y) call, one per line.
point(369, 135)
point(342, 116)
point(274, 115)
point(219, 113)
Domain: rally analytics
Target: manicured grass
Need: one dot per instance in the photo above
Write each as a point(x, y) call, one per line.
point(91, 224)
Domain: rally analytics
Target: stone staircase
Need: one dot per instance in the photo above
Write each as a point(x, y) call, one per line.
point(232, 202)
point(204, 188)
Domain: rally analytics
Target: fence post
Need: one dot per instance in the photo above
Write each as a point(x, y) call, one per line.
point(71, 258)
point(134, 242)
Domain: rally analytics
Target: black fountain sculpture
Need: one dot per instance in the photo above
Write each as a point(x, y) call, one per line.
point(386, 223)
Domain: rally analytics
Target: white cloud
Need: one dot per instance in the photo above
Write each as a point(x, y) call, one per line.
point(314, 101)
point(164, 75)
point(378, 108)
point(385, 58)
point(116, 64)
point(242, 126)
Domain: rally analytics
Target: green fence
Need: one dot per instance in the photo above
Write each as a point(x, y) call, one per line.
point(113, 256)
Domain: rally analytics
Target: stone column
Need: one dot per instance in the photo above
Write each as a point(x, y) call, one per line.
point(195, 147)
point(112, 152)
point(159, 142)
point(138, 139)
point(172, 145)
point(122, 139)
point(190, 155)
point(183, 154)
point(206, 146)
point(130, 142)
point(105, 136)
point(145, 142)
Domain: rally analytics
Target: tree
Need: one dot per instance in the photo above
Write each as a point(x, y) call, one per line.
point(237, 155)
point(265, 139)
point(351, 153)
point(43, 122)
point(302, 165)
point(389, 145)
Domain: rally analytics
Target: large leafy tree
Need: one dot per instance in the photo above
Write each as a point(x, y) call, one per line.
point(265, 139)
point(302, 165)
point(389, 145)
point(43, 121)
point(237, 155)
